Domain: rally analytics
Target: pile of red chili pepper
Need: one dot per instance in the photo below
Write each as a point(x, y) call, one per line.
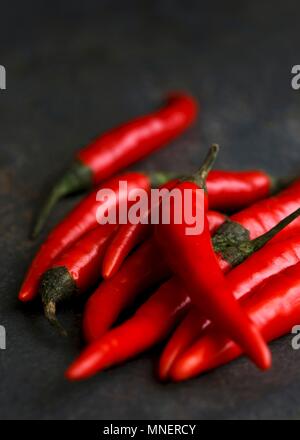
point(229, 289)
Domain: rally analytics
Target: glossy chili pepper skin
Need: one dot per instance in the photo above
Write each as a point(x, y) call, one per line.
point(75, 270)
point(265, 214)
point(127, 238)
point(79, 221)
point(267, 262)
point(160, 313)
point(96, 329)
point(97, 320)
point(113, 295)
point(131, 142)
point(274, 307)
point(229, 190)
point(150, 323)
point(122, 146)
point(192, 259)
point(141, 271)
point(205, 280)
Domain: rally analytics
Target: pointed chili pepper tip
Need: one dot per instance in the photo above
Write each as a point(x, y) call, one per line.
point(163, 373)
point(188, 366)
point(24, 296)
point(80, 369)
point(77, 178)
point(181, 371)
point(73, 373)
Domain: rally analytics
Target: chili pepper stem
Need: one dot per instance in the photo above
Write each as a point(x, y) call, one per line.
point(259, 242)
point(50, 314)
point(56, 285)
point(234, 249)
point(77, 178)
point(200, 176)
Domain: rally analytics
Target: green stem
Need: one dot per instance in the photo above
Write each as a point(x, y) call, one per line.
point(259, 242)
point(232, 240)
point(77, 178)
point(159, 178)
point(200, 177)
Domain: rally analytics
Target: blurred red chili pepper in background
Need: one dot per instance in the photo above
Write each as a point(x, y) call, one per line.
point(120, 147)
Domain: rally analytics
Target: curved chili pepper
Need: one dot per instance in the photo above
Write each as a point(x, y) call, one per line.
point(80, 220)
point(151, 322)
point(243, 279)
point(192, 259)
point(274, 308)
point(227, 190)
point(120, 147)
point(74, 271)
point(113, 295)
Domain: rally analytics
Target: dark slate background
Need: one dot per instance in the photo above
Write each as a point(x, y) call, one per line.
point(76, 69)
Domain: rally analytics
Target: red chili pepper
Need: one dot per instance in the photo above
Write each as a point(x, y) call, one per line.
point(113, 295)
point(274, 308)
point(120, 147)
point(150, 323)
point(243, 279)
point(263, 215)
point(236, 190)
point(192, 259)
point(80, 220)
point(227, 190)
point(74, 271)
point(127, 238)
point(255, 221)
point(141, 271)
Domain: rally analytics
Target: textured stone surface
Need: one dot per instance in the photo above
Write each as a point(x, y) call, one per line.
point(72, 72)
